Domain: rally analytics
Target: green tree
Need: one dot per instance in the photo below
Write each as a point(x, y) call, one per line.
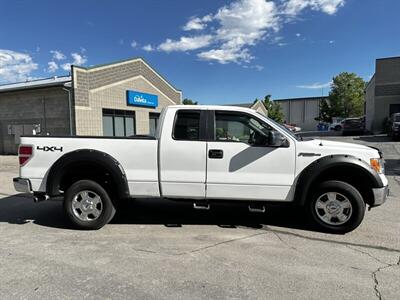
point(187, 101)
point(274, 109)
point(346, 98)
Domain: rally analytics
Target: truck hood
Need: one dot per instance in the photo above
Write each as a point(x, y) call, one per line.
point(333, 147)
point(341, 145)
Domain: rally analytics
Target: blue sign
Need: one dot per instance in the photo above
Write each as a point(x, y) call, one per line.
point(141, 99)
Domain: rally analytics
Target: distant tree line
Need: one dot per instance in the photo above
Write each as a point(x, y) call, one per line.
point(187, 101)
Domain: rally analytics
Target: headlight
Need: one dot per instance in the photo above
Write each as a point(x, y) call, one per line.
point(378, 165)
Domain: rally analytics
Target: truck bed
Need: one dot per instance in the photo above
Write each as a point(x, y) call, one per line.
point(137, 155)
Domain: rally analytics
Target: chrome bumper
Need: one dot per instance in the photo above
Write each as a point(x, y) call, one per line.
point(380, 195)
point(22, 185)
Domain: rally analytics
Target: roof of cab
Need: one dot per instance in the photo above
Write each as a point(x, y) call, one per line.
point(212, 107)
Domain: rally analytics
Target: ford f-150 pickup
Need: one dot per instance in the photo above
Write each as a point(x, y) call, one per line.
point(205, 154)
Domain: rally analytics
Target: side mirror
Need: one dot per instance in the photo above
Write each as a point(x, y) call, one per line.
point(275, 139)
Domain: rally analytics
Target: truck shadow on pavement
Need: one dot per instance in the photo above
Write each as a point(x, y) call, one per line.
point(20, 209)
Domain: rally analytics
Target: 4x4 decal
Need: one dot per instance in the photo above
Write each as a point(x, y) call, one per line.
point(49, 148)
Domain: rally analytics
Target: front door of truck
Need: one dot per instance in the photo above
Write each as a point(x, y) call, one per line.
point(182, 160)
point(240, 163)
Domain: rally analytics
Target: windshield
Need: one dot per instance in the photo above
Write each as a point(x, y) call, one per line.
point(397, 118)
point(284, 128)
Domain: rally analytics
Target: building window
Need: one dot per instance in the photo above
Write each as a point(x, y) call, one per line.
point(118, 122)
point(108, 126)
point(153, 123)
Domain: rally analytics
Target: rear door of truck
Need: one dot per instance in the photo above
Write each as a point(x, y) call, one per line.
point(182, 153)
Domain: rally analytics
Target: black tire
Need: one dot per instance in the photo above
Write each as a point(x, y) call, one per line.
point(106, 206)
point(355, 214)
point(338, 128)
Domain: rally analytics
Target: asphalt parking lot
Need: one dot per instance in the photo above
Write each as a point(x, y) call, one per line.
point(167, 250)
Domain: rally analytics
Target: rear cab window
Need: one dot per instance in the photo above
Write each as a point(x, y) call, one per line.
point(187, 125)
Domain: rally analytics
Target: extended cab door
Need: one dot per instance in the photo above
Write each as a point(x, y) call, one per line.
point(242, 165)
point(182, 154)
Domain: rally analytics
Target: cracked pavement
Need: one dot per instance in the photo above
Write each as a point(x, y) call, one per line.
point(167, 250)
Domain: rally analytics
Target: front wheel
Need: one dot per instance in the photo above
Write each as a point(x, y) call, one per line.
point(336, 207)
point(87, 205)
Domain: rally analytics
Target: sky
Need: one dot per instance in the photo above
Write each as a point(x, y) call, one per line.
point(215, 51)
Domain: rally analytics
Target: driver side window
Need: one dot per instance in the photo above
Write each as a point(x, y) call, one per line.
point(238, 127)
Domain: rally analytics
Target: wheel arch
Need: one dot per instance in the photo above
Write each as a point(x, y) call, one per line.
point(347, 168)
point(101, 164)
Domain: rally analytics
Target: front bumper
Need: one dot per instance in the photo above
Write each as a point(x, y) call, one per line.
point(380, 195)
point(22, 185)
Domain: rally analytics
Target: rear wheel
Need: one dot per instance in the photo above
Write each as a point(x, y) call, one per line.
point(338, 128)
point(336, 207)
point(87, 205)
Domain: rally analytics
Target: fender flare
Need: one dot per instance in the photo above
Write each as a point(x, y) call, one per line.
point(311, 173)
point(106, 161)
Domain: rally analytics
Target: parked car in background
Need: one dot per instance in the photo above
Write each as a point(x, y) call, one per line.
point(353, 125)
point(337, 124)
point(395, 126)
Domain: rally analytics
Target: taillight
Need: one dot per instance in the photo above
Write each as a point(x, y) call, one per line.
point(24, 154)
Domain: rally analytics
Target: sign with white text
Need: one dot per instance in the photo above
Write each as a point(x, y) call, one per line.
point(141, 99)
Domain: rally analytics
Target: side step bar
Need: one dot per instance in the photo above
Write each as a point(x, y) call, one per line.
point(257, 208)
point(252, 208)
point(202, 206)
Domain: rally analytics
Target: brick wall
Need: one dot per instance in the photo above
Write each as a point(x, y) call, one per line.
point(387, 71)
point(370, 105)
point(89, 119)
point(383, 91)
point(387, 89)
point(106, 86)
point(47, 107)
point(98, 77)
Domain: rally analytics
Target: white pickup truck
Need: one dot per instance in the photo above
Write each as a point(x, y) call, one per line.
point(204, 154)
